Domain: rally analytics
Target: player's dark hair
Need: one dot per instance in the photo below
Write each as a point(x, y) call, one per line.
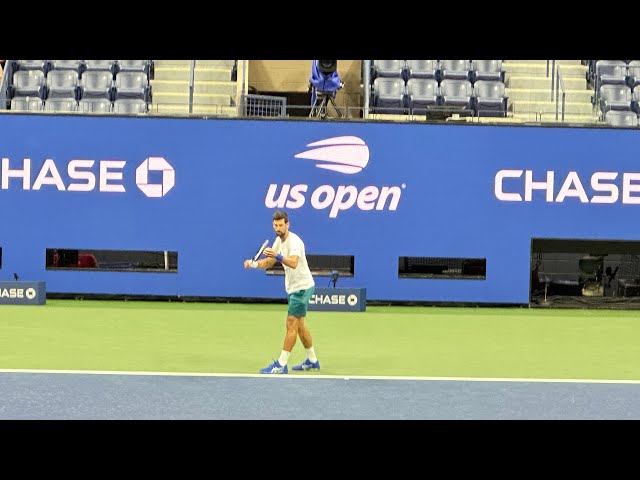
point(279, 215)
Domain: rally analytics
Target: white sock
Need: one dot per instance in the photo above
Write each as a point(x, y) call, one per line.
point(284, 357)
point(311, 355)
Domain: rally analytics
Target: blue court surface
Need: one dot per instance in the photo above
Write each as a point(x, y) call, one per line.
point(59, 395)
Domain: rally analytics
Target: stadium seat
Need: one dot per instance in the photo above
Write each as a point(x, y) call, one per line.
point(131, 85)
point(61, 105)
point(95, 105)
point(455, 69)
point(423, 69)
point(28, 83)
point(487, 70)
point(619, 118)
point(615, 97)
point(421, 93)
point(489, 98)
point(389, 95)
point(33, 104)
point(388, 68)
point(62, 84)
point(456, 93)
point(96, 84)
point(129, 106)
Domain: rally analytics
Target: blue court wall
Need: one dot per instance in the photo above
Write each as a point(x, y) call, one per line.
point(207, 189)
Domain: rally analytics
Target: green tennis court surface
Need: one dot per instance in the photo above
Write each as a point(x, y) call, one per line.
point(402, 341)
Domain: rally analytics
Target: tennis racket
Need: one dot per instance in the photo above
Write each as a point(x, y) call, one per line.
point(256, 257)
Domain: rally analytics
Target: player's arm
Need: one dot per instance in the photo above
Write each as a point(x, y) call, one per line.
point(291, 261)
point(266, 263)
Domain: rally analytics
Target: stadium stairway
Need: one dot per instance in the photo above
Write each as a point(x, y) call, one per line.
point(530, 97)
point(214, 91)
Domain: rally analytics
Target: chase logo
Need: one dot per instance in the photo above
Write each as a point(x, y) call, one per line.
point(346, 154)
point(155, 164)
point(30, 293)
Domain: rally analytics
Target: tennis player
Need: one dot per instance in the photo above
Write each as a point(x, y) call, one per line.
point(288, 249)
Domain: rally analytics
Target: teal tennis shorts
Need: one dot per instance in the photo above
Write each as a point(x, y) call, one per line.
point(299, 301)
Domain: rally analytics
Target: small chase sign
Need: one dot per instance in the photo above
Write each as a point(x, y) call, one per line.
point(339, 300)
point(22, 293)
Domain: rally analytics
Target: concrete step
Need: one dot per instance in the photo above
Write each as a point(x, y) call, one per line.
point(540, 70)
point(571, 108)
point(182, 87)
point(172, 73)
point(544, 94)
point(544, 62)
point(177, 98)
point(551, 118)
point(172, 63)
point(167, 86)
point(213, 74)
point(215, 110)
point(570, 83)
point(215, 63)
point(215, 88)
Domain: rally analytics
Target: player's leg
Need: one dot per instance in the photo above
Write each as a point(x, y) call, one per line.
point(311, 362)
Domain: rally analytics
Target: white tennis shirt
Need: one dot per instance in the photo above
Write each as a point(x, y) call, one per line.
point(298, 278)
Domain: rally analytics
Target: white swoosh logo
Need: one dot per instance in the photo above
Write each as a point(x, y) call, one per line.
point(343, 154)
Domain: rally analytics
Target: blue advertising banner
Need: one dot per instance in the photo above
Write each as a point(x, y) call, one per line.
point(207, 189)
point(339, 300)
point(23, 293)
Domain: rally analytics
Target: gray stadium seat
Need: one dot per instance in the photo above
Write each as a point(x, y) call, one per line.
point(61, 105)
point(421, 93)
point(107, 65)
point(131, 85)
point(96, 84)
point(615, 97)
point(619, 118)
point(32, 65)
point(635, 99)
point(633, 73)
point(423, 69)
point(456, 93)
point(75, 65)
point(455, 69)
point(487, 70)
point(129, 106)
point(610, 72)
point(388, 68)
point(389, 95)
point(489, 98)
point(95, 105)
point(28, 83)
point(62, 83)
point(133, 66)
point(27, 104)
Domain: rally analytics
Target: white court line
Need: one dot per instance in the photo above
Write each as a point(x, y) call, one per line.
point(316, 375)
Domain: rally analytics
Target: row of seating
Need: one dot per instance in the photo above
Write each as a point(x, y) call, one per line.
point(618, 97)
point(89, 84)
point(471, 70)
point(80, 66)
point(393, 96)
point(622, 118)
point(613, 72)
point(94, 105)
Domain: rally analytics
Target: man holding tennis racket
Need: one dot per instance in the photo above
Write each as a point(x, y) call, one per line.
point(288, 249)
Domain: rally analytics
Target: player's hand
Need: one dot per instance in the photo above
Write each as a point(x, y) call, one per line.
point(270, 252)
point(247, 264)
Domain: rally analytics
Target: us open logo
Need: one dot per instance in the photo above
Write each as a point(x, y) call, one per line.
point(345, 154)
point(340, 154)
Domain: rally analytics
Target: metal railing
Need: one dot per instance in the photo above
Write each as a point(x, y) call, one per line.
point(560, 85)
